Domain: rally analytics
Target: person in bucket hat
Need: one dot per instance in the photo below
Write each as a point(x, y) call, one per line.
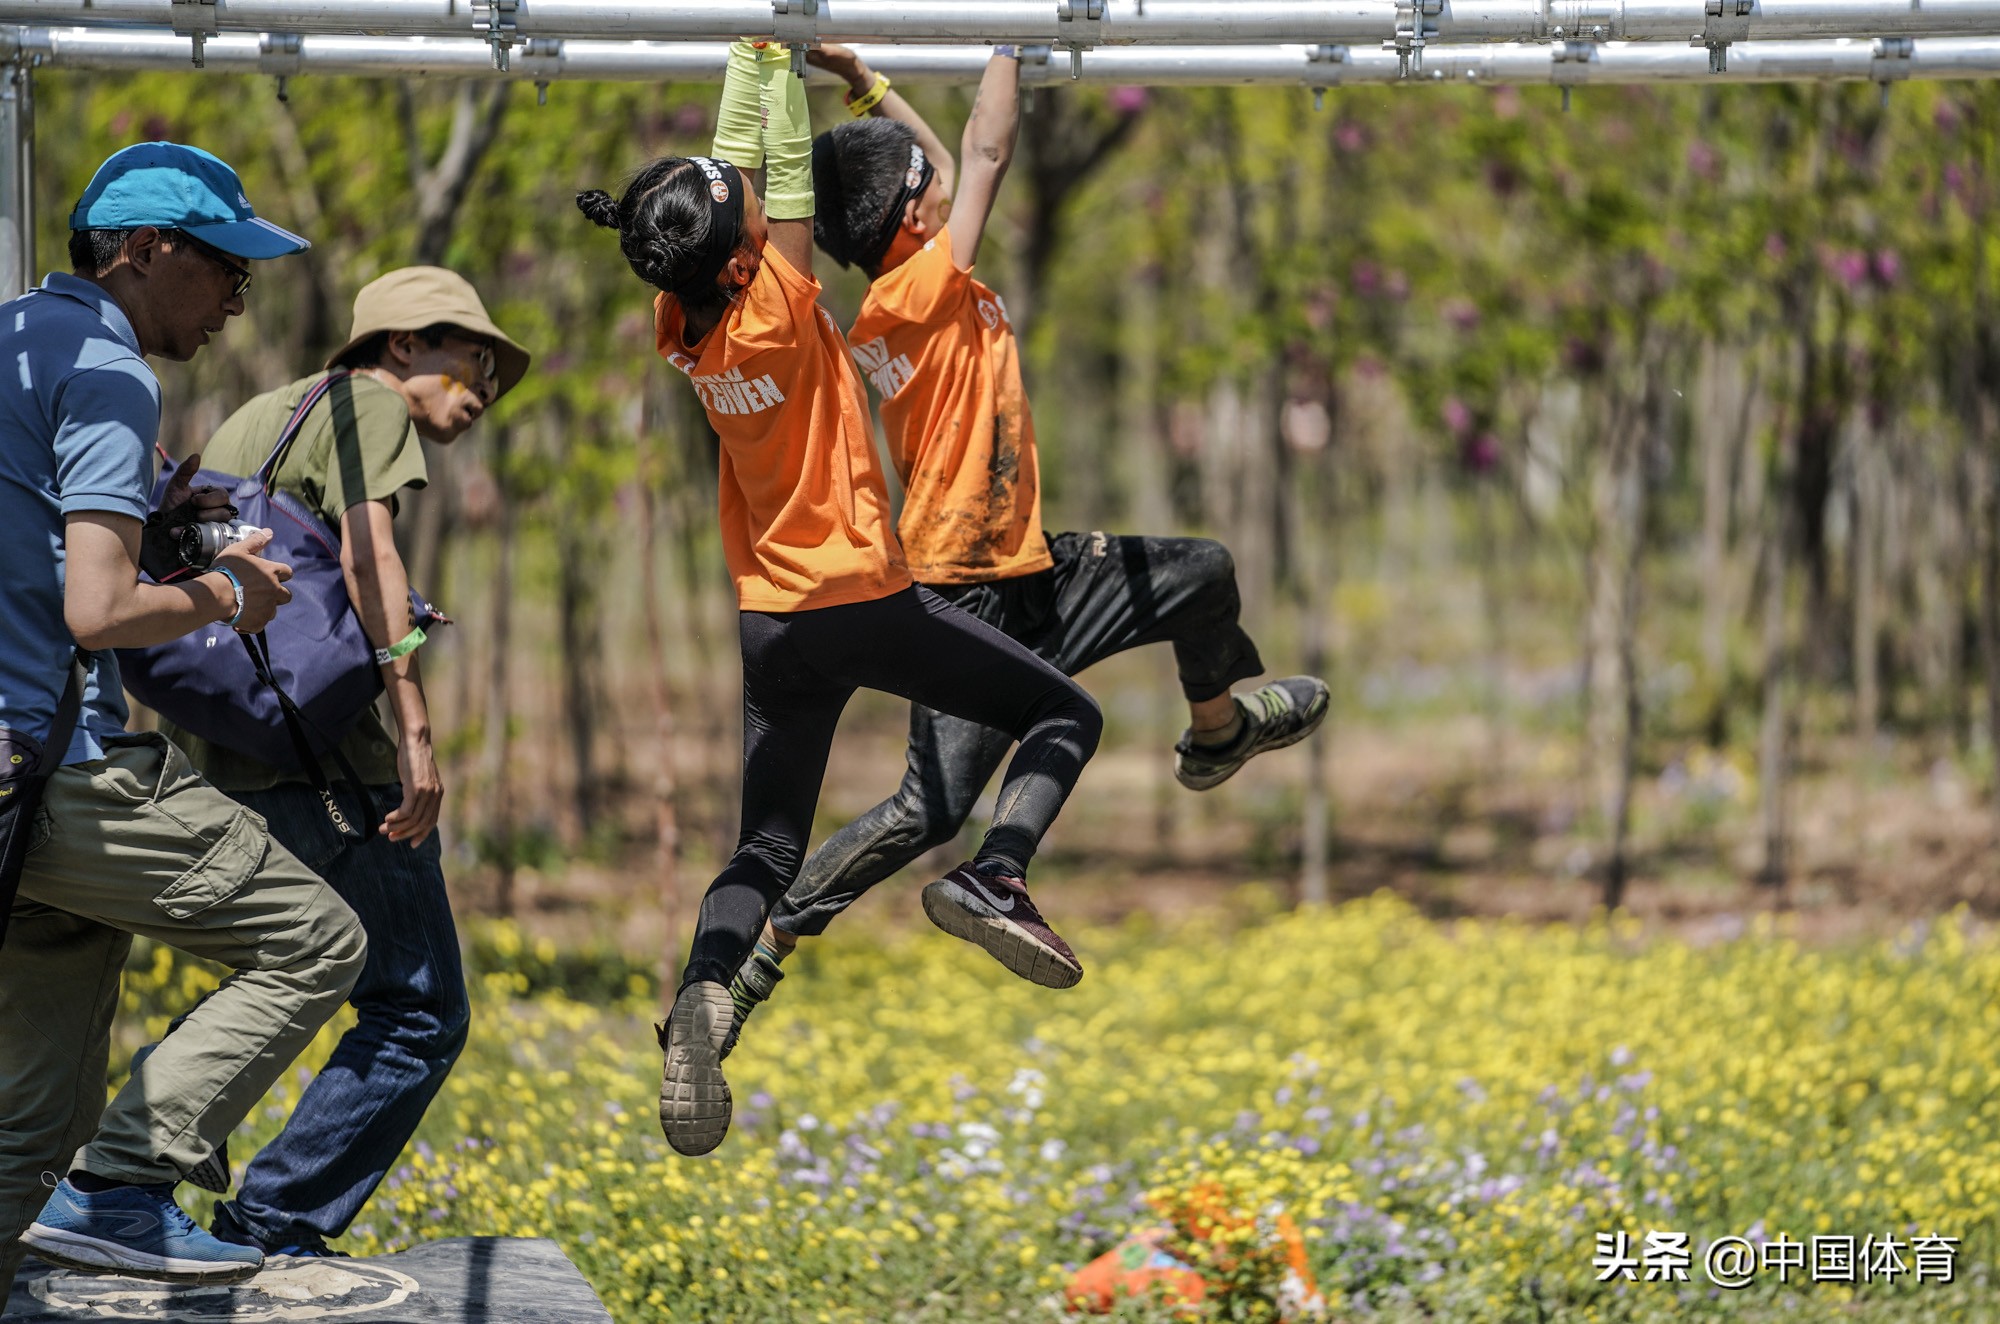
point(126, 838)
point(422, 363)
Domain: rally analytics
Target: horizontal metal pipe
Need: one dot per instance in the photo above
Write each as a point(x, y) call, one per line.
point(1121, 22)
point(1578, 64)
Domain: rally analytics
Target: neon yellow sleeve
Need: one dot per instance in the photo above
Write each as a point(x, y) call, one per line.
point(788, 180)
point(739, 119)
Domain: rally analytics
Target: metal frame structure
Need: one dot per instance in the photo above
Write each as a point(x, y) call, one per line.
point(1883, 60)
point(1317, 44)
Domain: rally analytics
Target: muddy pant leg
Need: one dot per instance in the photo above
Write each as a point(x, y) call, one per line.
point(1120, 593)
point(950, 762)
point(58, 991)
point(946, 659)
point(790, 709)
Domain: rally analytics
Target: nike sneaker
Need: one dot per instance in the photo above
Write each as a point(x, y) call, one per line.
point(995, 912)
point(694, 1098)
point(135, 1231)
point(212, 1173)
point(1280, 714)
point(753, 984)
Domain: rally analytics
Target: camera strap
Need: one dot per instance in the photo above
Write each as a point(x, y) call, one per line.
point(25, 796)
point(296, 723)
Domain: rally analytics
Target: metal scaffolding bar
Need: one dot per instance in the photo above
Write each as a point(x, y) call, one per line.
point(17, 178)
point(1562, 64)
point(1402, 23)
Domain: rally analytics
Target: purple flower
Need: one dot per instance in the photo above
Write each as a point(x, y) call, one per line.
point(1128, 100)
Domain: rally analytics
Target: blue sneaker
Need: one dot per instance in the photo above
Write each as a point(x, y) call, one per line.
point(135, 1231)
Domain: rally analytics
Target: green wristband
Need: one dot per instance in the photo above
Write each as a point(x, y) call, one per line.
point(403, 647)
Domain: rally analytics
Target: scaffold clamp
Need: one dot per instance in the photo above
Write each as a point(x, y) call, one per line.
point(1082, 13)
point(195, 19)
point(1725, 21)
point(494, 20)
point(796, 23)
point(1413, 28)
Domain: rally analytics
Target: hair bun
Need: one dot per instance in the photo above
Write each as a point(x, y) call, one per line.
point(599, 206)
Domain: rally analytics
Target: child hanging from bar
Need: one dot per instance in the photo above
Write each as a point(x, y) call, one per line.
point(941, 353)
point(827, 603)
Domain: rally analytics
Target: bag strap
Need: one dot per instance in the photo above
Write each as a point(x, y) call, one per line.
point(14, 837)
point(267, 470)
point(296, 723)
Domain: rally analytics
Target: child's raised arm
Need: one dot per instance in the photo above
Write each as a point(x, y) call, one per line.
point(884, 102)
point(986, 151)
point(763, 121)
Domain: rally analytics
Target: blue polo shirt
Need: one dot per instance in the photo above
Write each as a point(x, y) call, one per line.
point(79, 412)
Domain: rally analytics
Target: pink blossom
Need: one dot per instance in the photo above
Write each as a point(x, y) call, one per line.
point(1128, 100)
point(1888, 266)
point(1461, 313)
point(1397, 286)
point(1457, 417)
point(1775, 247)
point(691, 120)
point(1367, 278)
point(1481, 454)
point(1702, 159)
point(1350, 136)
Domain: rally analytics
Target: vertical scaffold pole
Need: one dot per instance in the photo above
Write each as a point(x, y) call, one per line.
point(17, 177)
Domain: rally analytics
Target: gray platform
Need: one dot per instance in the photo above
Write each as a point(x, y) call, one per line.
point(464, 1280)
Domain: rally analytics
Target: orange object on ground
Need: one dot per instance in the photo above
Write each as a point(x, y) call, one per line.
point(940, 351)
point(805, 506)
point(1146, 1264)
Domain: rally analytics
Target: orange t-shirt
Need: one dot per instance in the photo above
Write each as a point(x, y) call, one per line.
point(939, 348)
point(805, 510)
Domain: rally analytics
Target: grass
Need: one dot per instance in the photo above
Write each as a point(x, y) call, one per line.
point(1452, 1113)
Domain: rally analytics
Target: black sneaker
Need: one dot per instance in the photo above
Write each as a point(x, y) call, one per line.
point(752, 985)
point(1280, 714)
point(995, 912)
point(212, 1173)
point(694, 1098)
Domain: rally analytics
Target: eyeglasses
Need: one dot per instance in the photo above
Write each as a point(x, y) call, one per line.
point(215, 255)
point(483, 358)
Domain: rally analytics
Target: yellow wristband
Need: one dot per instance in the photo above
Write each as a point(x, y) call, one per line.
point(867, 101)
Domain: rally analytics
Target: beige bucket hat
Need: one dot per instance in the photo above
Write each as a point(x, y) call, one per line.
point(412, 298)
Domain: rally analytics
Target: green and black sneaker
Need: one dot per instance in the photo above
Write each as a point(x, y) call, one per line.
point(753, 984)
point(1280, 714)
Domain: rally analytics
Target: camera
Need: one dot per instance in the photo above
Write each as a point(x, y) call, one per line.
point(198, 545)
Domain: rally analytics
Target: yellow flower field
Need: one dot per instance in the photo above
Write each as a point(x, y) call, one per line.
point(1455, 1115)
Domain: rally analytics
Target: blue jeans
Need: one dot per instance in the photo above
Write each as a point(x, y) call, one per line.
point(359, 1112)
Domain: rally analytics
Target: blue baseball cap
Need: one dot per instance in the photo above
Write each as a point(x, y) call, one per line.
point(171, 186)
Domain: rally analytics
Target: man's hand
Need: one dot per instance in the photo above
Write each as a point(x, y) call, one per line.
point(423, 792)
point(264, 588)
point(184, 503)
point(843, 63)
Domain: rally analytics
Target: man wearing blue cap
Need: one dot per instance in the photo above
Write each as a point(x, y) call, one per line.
point(126, 837)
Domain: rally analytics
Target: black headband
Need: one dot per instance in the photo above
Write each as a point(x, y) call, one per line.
point(725, 221)
point(915, 180)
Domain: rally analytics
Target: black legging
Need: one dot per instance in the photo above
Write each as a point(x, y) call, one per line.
point(799, 668)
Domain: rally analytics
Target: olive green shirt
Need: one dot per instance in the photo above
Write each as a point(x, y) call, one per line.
point(357, 444)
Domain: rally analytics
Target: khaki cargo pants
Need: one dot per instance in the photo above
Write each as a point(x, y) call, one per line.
point(137, 842)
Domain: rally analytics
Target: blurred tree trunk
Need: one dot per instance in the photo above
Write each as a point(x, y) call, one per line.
point(666, 788)
point(440, 186)
point(1772, 765)
point(1064, 138)
point(500, 826)
point(1141, 438)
